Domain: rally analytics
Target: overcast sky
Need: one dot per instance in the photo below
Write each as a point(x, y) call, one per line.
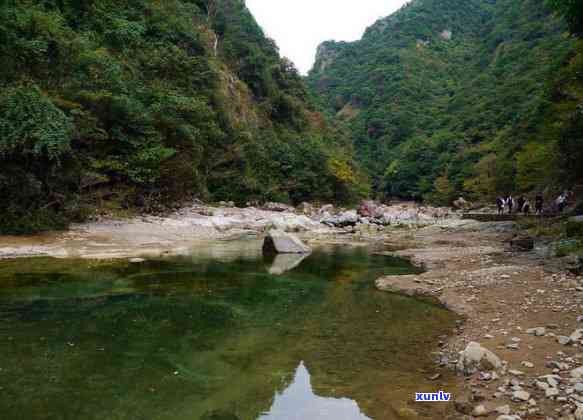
point(299, 26)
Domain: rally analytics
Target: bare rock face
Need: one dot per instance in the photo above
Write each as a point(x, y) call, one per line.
point(279, 242)
point(475, 357)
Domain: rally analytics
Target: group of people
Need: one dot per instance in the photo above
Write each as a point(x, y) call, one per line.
point(522, 205)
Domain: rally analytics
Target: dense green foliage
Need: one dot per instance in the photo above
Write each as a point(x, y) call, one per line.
point(572, 11)
point(128, 103)
point(459, 96)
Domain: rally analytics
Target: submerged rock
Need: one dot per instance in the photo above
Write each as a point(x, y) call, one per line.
point(285, 262)
point(475, 357)
point(279, 242)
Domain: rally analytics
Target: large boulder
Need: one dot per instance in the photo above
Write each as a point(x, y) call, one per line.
point(305, 208)
point(347, 218)
point(462, 204)
point(476, 357)
point(368, 209)
point(279, 242)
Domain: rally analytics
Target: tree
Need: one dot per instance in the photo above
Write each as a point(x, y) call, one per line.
point(572, 12)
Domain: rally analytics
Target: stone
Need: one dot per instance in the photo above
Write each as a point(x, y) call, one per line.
point(279, 207)
point(551, 392)
point(579, 413)
point(136, 260)
point(522, 243)
point(563, 340)
point(507, 417)
point(474, 357)
point(577, 373)
point(578, 387)
point(527, 364)
point(463, 405)
point(515, 372)
point(462, 204)
point(538, 331)
point(285, 262)
point(347, 218)
point(480, 411)
point(368, 209)
point(520, 395)
point(576, 336)
point(305, 208)
point(279, 242)
point(503, 409)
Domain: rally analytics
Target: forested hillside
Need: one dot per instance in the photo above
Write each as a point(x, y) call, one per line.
point(478, 97)
point(141, 104)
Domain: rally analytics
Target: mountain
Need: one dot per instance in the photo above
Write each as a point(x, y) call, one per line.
point(453, 96)
point(129, 104)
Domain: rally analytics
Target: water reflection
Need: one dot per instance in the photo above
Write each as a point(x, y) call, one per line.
point(300, 402)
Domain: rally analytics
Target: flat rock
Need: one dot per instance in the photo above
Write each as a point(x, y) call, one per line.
point(409, 285)
point(520, 395)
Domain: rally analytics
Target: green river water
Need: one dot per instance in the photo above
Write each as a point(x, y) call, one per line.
point(221, 334)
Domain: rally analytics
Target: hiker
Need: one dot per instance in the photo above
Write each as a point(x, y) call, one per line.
point(509, 203)
point(538, 203)
point(526, 207)
point(500, 203)
point(520, 203)
point(561, 202)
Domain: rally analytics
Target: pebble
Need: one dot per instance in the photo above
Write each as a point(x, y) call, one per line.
point(503, 409)
point(538, 331)
point(513, 346)
point(563, 340)
point(527, 364)
point(551, 392)
point(480, 411)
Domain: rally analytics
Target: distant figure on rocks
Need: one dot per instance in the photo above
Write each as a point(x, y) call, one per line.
point(520, 203)
point(539, 203)
point(509, 203)
point(500, 203)
point(526, 208)
point(561, 202)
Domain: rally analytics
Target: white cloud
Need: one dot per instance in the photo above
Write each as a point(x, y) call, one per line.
point(299, 26)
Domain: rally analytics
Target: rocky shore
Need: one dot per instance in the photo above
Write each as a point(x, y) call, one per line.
point(192, 226)
point(518, 352)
